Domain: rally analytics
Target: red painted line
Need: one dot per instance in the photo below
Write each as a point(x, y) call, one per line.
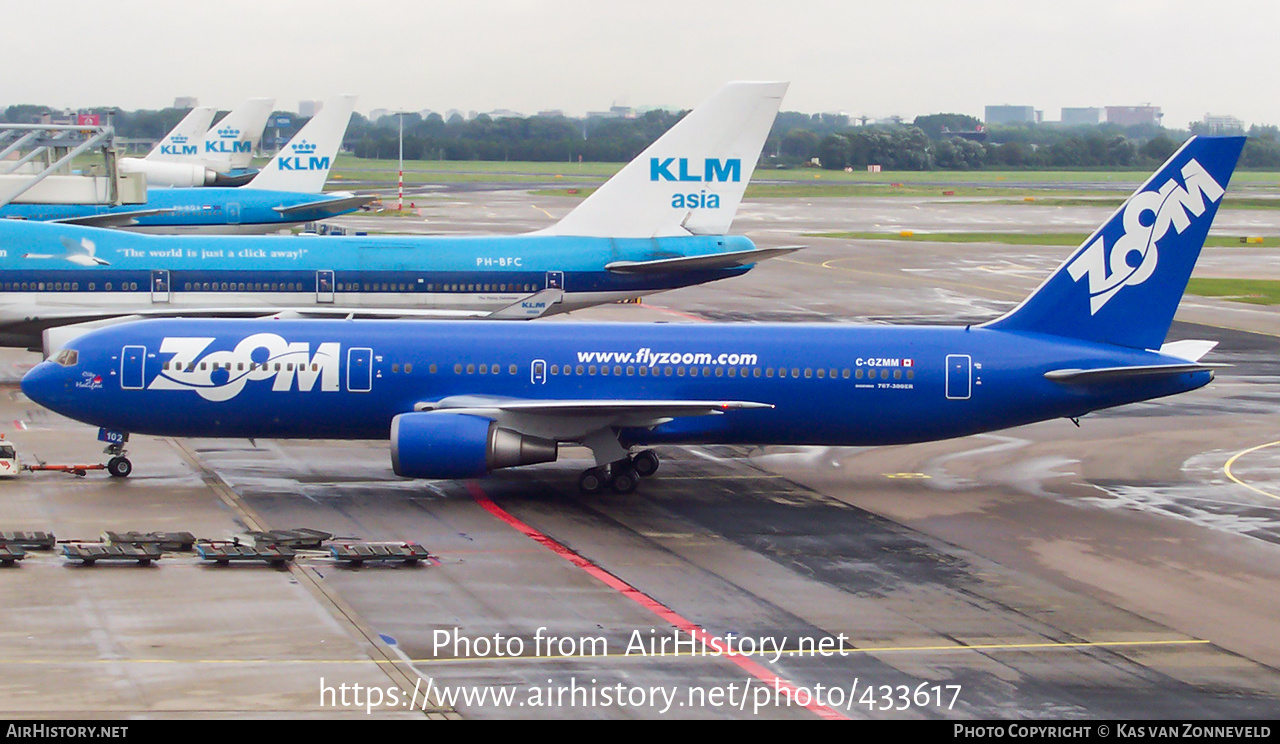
point(644, 600)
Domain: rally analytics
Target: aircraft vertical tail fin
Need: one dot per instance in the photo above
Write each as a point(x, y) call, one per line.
point(1123, 285)
point(182, 144)
point(229, 145)
point(303, 164)
point(691, 180)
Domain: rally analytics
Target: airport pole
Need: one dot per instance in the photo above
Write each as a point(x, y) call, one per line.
point(400, 189)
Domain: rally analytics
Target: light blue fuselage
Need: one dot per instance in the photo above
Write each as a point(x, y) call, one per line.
point(206, 209)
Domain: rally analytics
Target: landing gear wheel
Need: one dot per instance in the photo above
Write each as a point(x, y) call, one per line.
point(592, 480)
point(645, 463)
point(624, 481)
point(119, 467)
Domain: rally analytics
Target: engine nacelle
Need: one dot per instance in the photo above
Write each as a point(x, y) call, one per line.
point(431, 444)
point(159, 173)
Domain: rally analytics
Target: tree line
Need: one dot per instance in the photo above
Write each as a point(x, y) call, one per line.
point(933, 142)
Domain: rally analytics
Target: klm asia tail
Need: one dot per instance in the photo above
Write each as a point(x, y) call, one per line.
point(690, 181)
point(1123, 285)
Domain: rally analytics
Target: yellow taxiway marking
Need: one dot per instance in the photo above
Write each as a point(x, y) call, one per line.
point(1232, 461)
point(540, 209)
point(847, 651)
point(907, 476)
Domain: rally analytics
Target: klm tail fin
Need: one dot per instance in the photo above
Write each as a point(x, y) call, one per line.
point(690, 181)
point(1123, 285)
point(303, 164)
point(229, 145)
point(182, 145)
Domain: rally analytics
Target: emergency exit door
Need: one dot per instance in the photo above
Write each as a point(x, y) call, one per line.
point(959, 376)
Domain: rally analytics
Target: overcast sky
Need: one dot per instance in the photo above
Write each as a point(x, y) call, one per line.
point(904, 57)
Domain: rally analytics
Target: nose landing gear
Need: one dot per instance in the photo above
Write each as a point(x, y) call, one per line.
point(118, 466)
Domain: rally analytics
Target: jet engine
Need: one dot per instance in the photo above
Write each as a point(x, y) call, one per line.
point(180, 175)
point(433, 444)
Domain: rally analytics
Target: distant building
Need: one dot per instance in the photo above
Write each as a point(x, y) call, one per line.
point(308, 109)
point(1223, 125)
point(1078, 116)
point(1128, 116)
point(186, 102)
point(550, 113)
point(376, 114)
point(1010, 115)
point(504, 114)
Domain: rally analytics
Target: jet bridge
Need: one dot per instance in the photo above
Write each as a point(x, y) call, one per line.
point(39, 165)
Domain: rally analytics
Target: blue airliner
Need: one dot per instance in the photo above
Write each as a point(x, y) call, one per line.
point(459, 399)
point(284, 193)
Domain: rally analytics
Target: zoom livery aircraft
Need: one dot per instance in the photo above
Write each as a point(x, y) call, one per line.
point(286, 192)
point(625, 240)
point(458, 400)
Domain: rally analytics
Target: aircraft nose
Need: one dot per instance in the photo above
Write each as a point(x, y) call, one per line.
point(46, 384)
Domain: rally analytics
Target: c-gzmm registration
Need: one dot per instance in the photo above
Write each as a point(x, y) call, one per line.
point(458, 400)
point(658, 224)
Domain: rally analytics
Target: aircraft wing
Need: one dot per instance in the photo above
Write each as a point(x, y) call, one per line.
point(710, 261)
point(576, 419)
point(340, 204)
point(113, 219)
point(1112, 374)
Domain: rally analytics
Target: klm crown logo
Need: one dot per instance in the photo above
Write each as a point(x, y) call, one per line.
point(303, 159)
point(1148, 216)
point(228, 142)
point(177, 145)
point(680, 170)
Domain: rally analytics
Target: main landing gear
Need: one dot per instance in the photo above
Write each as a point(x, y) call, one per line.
point(118, 466)
point(623, 476)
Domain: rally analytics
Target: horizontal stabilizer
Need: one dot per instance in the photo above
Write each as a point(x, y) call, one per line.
point(691, 263)
point(114, 219)
point(1189, 349)
point(1112, 374)
point(340, 205)
point(534, 306)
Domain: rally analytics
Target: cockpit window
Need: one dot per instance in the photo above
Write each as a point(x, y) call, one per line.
point(67, 357)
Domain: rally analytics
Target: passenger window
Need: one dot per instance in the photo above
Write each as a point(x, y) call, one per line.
point(395, 369)
point(471, 369)
point(457, 369)
point(512, 369)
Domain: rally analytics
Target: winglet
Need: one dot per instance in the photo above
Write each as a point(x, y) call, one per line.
point(534, 306)
point(691, 180)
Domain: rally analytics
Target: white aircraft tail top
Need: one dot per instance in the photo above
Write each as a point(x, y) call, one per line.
point(182, 144)
point(303, 164)
point(691, 180)
point(229, 145)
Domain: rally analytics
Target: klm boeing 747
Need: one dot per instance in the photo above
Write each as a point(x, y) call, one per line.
point(458, 400)
point(284, 193)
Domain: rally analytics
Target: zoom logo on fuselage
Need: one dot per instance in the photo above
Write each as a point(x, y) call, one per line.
point(1147, 217)
point(222, 375)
